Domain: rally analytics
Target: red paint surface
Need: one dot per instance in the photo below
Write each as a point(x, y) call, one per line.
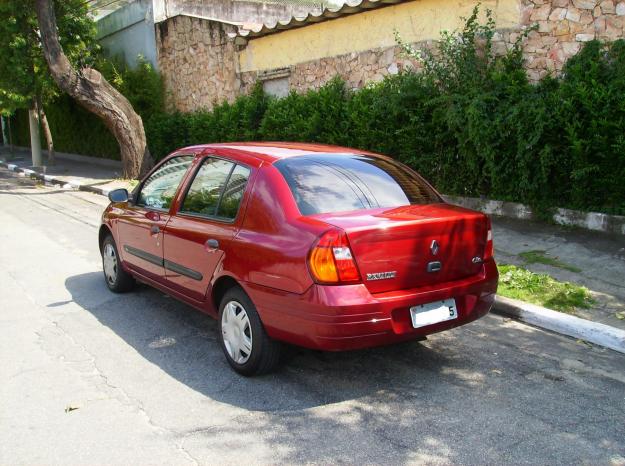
point(265, 250)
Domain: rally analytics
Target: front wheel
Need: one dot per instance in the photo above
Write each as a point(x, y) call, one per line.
point(247, 347)
point(117, 279)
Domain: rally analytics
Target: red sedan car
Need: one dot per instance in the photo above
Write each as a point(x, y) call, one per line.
point(320, 246)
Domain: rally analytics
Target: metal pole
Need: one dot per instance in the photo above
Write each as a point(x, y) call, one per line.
point(35, 140)
point(10, 137)
point(5, 139)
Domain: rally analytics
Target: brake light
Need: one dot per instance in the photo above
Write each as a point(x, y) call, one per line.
point(489, 249)
point(331, 261)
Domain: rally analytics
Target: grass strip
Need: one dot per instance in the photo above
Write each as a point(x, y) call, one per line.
point(542, 289)
point(538, 256)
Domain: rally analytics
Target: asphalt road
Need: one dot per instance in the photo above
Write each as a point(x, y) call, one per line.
point(89, 377)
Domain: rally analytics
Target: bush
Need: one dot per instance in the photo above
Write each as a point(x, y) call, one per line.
point(316, 116)
point(591, 123)
point(239, 121)
point(166, 132)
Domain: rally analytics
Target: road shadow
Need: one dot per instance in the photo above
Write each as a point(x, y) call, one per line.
point(488, 392)
point(183, 342)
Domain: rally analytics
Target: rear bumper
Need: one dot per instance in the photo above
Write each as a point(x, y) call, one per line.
point(335, 318)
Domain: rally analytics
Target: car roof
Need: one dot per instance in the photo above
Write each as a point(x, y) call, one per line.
point(271, 152)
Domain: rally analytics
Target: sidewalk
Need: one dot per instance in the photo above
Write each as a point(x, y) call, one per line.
point(76, 174)
point(600, 257)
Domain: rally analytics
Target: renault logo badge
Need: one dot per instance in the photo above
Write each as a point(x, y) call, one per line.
point(434, 247)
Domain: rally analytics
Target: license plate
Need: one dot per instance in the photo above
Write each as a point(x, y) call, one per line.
point(433, 313)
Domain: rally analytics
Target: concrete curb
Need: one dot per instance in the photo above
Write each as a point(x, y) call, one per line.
point(51, 180)
point(588, 220)
point(593, 332)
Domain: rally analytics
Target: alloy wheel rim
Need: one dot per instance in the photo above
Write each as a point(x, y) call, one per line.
point(237, 332)
point(109, 260)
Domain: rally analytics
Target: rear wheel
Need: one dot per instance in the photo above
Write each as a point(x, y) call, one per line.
point(247, 347)
point(117, 279)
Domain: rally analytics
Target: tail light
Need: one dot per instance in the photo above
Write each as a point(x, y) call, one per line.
point(489, 249)
point(331, 260)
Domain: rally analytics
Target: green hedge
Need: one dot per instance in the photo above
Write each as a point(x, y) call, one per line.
point(560, 143)
point(469, 122)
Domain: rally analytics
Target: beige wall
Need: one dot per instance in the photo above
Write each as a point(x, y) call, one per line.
point(415, 21)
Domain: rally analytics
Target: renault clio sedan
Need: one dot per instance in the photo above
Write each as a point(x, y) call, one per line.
point(325, 247)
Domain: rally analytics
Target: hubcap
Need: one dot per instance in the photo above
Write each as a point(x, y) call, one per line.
point(109, 260)
point(236, 331)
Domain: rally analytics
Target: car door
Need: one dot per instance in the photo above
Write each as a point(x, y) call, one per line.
point(140, 226)
point(207, 219)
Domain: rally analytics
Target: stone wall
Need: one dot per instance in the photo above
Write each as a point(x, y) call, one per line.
point(563, 26)
point(197, 62)
point(200, 64)
point(356, 69)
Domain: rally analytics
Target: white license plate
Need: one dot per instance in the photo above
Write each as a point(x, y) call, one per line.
point(433, 313)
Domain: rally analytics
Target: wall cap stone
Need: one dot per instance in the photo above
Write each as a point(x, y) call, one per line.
point(275, 73)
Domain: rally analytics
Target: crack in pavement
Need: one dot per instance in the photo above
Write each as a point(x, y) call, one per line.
point(47, 344)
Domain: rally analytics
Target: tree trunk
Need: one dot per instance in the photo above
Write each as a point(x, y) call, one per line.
point(89, 88)
point(47, 133)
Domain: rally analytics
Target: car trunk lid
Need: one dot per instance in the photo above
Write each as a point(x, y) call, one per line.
point(415, 245)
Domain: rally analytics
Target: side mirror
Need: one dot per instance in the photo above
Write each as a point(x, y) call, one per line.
point(118, 195)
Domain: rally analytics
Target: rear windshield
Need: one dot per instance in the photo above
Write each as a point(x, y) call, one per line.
point(323, 183)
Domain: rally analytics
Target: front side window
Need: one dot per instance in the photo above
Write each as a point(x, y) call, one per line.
point(323, 183)
point(159, 189)
point(217, 189)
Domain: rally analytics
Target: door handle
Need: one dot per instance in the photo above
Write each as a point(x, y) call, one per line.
point(212, 244)
point(155, 230)
point(154, 216)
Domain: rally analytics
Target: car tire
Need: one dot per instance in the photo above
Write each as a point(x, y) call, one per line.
point(248, 348)
point(116, 278)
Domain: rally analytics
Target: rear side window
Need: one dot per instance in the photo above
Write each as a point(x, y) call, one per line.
point(216, 190)
point(233, 193)
point(334, 183)
point(159, 189)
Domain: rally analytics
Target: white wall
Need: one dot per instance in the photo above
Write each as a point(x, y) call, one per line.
point(129, 32)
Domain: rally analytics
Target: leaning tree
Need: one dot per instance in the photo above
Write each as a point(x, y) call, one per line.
point(91, 90)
